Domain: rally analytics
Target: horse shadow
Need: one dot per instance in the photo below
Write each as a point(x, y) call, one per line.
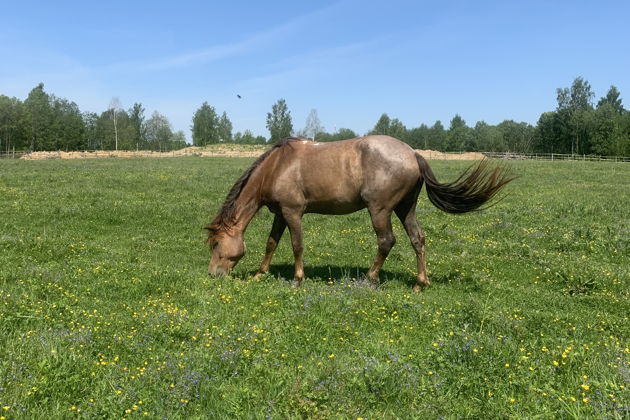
point(335, 274)
point(357, 274)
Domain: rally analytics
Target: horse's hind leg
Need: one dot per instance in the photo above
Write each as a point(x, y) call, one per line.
point(382, 223)
point(406, 212)
point(277, 229)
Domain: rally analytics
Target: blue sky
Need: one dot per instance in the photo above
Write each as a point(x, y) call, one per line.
point(419, 61)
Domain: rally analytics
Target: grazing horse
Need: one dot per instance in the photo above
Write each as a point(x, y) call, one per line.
point(298, 176)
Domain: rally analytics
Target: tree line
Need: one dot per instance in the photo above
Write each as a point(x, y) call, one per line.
point(578, 125)
point(45, 122)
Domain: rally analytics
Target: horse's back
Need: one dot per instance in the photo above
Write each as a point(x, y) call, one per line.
point(387, 151)
point(390, 171)
point(344, 176)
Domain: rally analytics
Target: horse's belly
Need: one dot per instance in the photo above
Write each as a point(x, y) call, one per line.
point(334, 207)
point(335, 195)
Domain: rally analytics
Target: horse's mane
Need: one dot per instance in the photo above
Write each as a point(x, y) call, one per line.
point(225, 219)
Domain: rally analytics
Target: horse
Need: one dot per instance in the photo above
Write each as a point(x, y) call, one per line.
point(383, 174)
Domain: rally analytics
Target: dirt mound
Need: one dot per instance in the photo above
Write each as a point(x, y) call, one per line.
point(215, 150)
point(253, 151)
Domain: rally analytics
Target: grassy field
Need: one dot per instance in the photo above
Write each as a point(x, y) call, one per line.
point(106, 310)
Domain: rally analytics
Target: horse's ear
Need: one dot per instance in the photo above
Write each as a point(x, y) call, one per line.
point(212, 230)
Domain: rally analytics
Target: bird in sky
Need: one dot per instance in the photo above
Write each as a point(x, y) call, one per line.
point(238, 96)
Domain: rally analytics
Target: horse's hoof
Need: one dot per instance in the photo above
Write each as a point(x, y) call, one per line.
point(420, 287)
point(368, 282)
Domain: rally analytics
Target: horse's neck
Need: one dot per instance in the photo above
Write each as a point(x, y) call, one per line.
point(247, 203)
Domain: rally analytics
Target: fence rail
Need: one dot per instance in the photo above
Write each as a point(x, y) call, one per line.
point(554, 156)
point(12, 154)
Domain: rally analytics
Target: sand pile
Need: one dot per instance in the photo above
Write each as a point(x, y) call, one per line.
point(221, 150)
point(188, 151)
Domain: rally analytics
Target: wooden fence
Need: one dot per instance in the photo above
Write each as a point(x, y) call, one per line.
point(554, 156)
point(12, 154)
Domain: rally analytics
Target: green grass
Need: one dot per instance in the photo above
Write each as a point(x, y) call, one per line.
point(106, 310)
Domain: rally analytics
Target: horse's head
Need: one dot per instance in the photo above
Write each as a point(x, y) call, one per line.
point(227, 248)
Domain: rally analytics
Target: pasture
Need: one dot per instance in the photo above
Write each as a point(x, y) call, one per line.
point(106, 310)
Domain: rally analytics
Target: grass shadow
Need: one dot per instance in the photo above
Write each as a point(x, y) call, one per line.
point(469, 280)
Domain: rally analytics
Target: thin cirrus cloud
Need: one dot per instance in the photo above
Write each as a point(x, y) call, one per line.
point(318, 63)
point(207, 55)
point(63, 73)
point(250, 44)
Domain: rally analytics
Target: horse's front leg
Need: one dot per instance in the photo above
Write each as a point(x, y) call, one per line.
point(294, 221)
point(277, 229)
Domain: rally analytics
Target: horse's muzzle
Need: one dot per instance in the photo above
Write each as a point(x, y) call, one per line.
point(218, 272)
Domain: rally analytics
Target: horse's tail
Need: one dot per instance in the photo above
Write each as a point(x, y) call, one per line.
point(475, 187)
